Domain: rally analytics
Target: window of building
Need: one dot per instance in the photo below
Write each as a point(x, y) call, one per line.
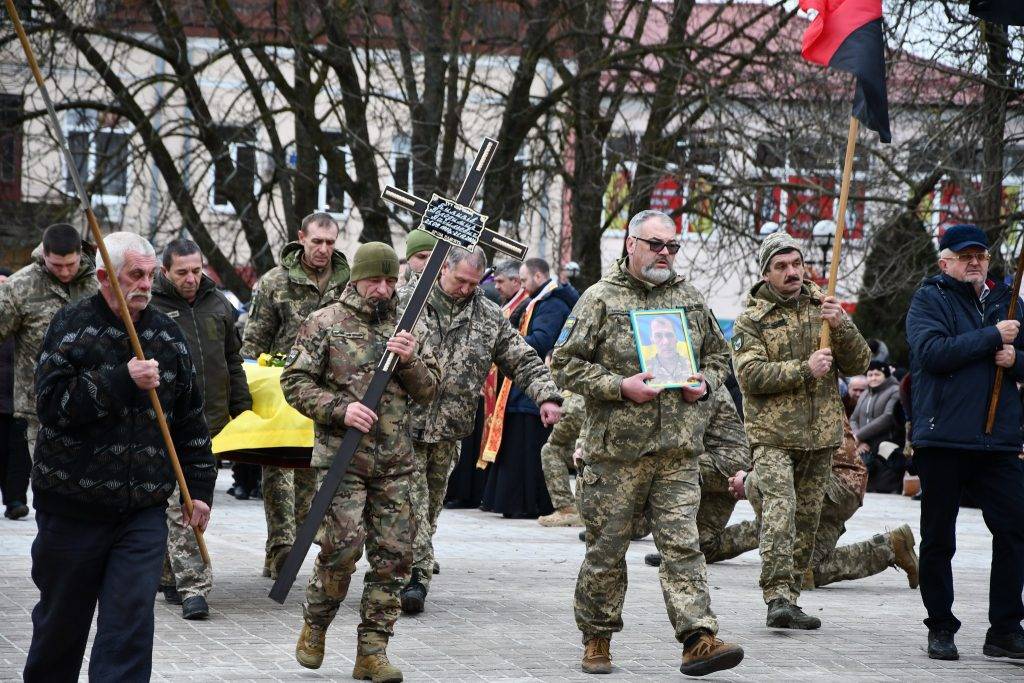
point(401, 162)
point(100, 150)
point(513, 199)
point(241, 147)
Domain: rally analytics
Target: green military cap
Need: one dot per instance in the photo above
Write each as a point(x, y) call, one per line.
point(772, 245)
point(374, 259)
point(418, 241)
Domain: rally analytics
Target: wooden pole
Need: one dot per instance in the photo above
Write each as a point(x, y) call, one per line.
point(98, 238)
point(837, 243)
point(1011, 314)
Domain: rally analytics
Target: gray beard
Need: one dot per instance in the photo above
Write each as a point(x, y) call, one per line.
point(656, 275)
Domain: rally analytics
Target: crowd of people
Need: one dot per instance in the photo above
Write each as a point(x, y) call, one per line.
point(514, 393)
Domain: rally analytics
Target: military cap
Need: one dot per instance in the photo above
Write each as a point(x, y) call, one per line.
point(772, 245)
point(374, 259)
point(418, 241)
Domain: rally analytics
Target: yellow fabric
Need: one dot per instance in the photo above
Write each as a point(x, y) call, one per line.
point(271, 423)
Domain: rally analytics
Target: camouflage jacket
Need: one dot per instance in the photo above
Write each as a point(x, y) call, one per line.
point(28, 301)
point(726, 449)
point(330, 366)
point(283, 298)
point(467, 337)
point(783, 404)
point(595, 352)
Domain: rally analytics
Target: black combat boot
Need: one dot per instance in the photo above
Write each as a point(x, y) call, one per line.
point(1004, 645)
point(414, 595)
point(195, 608)
point(941, 646)
point(652, 559)
point(784, 614)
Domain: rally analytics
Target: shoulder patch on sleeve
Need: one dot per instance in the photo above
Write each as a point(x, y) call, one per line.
point(567, 328)
point(291, 357)
point(737, 342)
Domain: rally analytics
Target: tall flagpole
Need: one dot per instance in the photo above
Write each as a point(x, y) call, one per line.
point(837, 243)
point(98, 238)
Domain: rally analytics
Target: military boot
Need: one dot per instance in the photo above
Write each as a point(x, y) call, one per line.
point(414, 595)
point(563, 516)
point(652, 559)
point(902, 541)
point(707, 654)
point(597, 656)
point(309, 651)
point(376, 667)
point(784, 614)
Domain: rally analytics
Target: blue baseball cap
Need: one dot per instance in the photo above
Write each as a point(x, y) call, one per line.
point(959, 237)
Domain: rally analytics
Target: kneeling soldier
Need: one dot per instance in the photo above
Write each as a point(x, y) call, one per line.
point(326, 374)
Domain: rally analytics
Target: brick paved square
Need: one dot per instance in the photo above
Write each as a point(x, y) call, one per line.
point(502, 610)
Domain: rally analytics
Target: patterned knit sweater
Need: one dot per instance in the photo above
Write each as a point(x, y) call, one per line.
point(100, 453)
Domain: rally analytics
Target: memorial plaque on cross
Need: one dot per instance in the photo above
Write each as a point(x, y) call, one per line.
point(454, 223)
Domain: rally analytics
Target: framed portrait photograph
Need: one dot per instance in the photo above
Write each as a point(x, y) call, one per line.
point(664, 347)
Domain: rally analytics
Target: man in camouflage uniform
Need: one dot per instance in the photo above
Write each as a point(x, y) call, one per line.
point(326, 374)
point(844, 495)
point(794, 416)
point(556, 458)
point(207, 319)
point(467, 333)
point(311, 276)
point(61, 273)
point(638, 447)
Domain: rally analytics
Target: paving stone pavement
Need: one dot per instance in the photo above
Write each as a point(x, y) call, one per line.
point(502, 610)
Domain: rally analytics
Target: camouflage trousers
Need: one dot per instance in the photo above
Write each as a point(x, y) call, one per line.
point(287, 494)
point(434, 463)
point(183, 565)
point(829, 562)
point(792, 486)
point(370, 511)
point(716, 506)
point(556, 454)
point(667, 490)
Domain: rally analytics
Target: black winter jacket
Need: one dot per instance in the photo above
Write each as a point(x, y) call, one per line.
point(100, 453)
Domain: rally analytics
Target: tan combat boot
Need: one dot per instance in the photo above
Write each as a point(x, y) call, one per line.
point(597, 656)
point(708, 654)
point(807, 581)
point(309, 651)
point(376, 667)
point(563, 516)
point(902, 541)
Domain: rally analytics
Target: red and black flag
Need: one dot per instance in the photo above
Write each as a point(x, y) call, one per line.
point(847, 35)
point(1008, 12)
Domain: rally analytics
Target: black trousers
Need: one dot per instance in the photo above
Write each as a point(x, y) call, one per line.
point(15, 462)
point(996, 482)
point(78, 563)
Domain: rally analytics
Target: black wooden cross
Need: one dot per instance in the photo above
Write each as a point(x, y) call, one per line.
point(453, 223)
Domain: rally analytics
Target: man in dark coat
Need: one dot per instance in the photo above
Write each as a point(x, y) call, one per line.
point(958, 336)
point(516, 486)
point(101, 476)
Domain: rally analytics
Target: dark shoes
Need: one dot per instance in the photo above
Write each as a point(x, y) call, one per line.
point(707, 654)
point(413, 597)
point(652, 559)
point(171, 595)
point(784, 614)
point(195, 608)
point(998, 645)
point(16, 510)
point(941, 646)
point(436, 568)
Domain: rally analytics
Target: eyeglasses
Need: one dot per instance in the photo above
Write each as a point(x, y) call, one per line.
point(981, 257)
point(657, 245)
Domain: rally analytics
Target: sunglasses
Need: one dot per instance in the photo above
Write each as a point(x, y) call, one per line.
point(657, 245)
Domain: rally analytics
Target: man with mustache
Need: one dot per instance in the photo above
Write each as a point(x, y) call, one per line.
point(326, 375)
point(101, 477)
point(793, 413)
point(640, 447)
